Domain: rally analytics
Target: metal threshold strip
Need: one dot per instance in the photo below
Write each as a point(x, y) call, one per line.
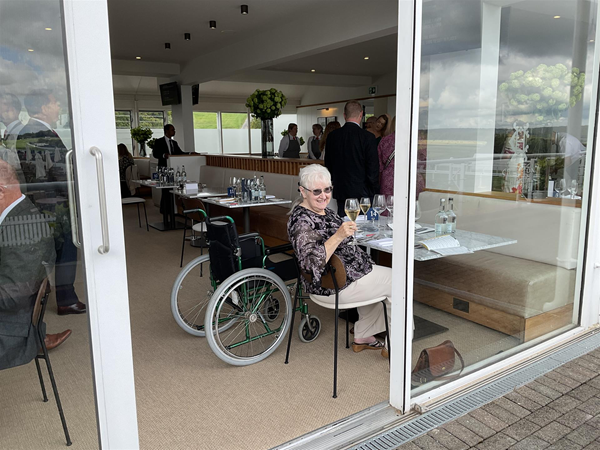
point(381, 427)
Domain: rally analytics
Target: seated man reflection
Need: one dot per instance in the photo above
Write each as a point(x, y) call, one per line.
point(24, 249)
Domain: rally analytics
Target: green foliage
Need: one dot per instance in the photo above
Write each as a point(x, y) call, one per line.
point(151, 143)
point(544, 93)
point(255, 123)
point(141, 134)
point(266, 104)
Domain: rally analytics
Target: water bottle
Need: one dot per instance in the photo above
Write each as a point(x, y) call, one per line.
point(177, 176)
point(238, 190)
point(441, 219)
point(255, 190)
point(244, 191)
point(262, 190)
point(183, 175)
point(451, 226)
point(171, 176)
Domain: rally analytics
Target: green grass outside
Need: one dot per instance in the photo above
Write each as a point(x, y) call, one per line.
point(208, 121)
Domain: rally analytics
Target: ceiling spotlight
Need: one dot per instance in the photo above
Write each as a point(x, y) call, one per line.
point(557, 17)
point(29, 49)
point(212, 24)
point(591, 40)
point(312, 70)
point(48, 29)
point(167, 46)
point(138, 57)
point(244, 9)
point(366, 57)
point(187, 36)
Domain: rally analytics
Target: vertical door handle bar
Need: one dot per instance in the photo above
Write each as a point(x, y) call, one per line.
point(105, 247)
point(72, 204)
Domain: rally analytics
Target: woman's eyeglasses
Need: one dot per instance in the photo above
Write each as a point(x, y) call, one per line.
point(317, 192)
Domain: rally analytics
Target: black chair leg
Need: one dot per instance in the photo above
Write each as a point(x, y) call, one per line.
point(347, 329)
point(39, 371)
point(335, 348)
point(387, 330)
point(287, 353)
point(139, 219)
point(183, 242)
point(146, 216)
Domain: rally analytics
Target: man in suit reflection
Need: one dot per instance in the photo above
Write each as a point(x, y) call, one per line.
point(166, 146)
point(26, 244)
point(39, 137)
point(10, 108)
point(352, 159)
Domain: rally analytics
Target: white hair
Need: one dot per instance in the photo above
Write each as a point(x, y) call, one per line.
point(309, 176)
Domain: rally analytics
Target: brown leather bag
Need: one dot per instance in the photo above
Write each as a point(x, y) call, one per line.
point(435, 363)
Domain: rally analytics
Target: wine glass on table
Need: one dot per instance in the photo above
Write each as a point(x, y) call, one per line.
point(561, 187)
point(389, 202)
point(365, 204)
point(379, 206)
point(352, 209)
point(573, 189)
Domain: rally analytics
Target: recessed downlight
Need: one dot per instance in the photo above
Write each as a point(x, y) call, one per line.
point(167, 46)
point(29, 49)
point(187, 36)
point(312, 70)
point(212, 24)
point(244, 9)
point(366, 57)
point(48, 29)
point(138, 57)
point(557, 17)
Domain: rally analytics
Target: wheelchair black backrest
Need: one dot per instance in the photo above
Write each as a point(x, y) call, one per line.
point(226, 250)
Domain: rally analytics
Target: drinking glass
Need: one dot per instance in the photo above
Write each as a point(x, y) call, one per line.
point(379, 206)
point(417, 211)
point(365, 204)
point(573, 188)
point(389, 200)
point(352, 210)
point(561, 187)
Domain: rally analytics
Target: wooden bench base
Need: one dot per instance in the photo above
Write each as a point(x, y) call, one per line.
point(513, 325)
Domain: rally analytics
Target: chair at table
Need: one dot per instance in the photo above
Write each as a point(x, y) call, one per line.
point(37, 319)
point(337, 277)
point(199, 226)
point(130, 173)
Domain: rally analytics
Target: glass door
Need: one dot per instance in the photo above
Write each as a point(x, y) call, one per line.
point(61, 218)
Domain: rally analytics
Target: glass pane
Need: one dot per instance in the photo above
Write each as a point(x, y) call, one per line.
point(123, 123)
point(155, 120)
point(206, 134)
point(36, 236)
point(504, 129)
point(235, 132)
point(279, 124)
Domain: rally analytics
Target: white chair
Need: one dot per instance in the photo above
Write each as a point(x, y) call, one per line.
point(335, 268)
point(137, 201)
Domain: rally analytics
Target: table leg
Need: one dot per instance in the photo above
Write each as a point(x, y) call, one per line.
point(246, 220)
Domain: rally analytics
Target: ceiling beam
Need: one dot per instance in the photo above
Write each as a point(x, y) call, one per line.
point(144, 68)
point(296, 78)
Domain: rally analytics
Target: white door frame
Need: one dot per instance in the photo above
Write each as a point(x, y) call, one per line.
point(92, 111)
point(405, 167)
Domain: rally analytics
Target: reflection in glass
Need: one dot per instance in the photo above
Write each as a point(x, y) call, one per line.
point(235, 132)
point(503, 124)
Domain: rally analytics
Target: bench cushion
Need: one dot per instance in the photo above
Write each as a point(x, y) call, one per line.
point(514, 285)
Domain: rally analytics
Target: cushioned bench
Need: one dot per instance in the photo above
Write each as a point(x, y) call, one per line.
point(525, 289)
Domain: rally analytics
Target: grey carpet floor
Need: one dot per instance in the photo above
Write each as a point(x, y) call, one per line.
point(187, 397)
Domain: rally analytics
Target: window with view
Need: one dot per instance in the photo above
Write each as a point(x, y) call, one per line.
point(206, 133)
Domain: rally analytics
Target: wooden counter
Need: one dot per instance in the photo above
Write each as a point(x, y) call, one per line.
point(515, 197)
point(285, 166)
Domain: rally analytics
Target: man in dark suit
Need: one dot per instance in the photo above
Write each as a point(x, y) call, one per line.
point(166, 146)
point(351, 158)
point(39, 137)
point(25, 244)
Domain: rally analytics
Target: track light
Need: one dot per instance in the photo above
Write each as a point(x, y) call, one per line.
point(167, 46)
point(187, 36)
point(213, 24)
point(244, 9)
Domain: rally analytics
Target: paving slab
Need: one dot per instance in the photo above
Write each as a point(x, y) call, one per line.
point(574, 418)
point(584, 435)
point(448, 440)
point(553, 432)
point(498, 441)
point(530, 443)
point(476, 426)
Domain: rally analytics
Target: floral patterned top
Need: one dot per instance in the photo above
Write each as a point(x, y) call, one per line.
point(385, 149)
point(308, 232)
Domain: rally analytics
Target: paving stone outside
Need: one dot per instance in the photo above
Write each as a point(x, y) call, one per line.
point(558, 411)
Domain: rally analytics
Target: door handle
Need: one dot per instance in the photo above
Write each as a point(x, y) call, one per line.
point(72, 205)
point(105, 247)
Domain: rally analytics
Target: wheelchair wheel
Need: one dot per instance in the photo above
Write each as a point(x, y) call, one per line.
point(305, 333)
point(242, 335)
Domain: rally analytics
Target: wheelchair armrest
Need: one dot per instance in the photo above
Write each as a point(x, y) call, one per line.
point(198, 210)
point(279, 249)
point(247, 236)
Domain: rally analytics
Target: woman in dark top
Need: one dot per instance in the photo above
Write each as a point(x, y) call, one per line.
point(316, 233)
point(313, 144)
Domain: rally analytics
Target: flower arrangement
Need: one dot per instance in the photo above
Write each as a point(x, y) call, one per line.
point(266, 104)
point(141, 134)
point(300, 139)
point(545, 93)
point(151, 143)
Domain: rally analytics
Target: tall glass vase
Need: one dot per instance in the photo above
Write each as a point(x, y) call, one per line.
point(266, 138)
point(142, 148)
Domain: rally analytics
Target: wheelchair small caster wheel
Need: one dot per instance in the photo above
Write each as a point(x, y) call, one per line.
point(304, 332)
point(271, 309)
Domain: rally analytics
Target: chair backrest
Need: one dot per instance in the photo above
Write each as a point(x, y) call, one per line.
point(37, 307)
point(327, 280)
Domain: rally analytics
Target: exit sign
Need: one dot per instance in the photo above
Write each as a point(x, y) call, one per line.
point(372, 90)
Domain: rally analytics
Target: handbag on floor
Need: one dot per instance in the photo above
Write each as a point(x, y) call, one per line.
point(435, 363)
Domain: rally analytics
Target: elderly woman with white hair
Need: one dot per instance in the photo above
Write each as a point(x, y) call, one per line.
point(317, 233)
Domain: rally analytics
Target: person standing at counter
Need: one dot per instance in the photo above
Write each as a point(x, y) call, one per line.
point(166, 146)
point(314, 150)
point(289, 147)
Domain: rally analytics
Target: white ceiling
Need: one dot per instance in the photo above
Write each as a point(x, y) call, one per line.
point(141, 27)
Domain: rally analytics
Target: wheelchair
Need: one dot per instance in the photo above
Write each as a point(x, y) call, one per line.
point(237, 297)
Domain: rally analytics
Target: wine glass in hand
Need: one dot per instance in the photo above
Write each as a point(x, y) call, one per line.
point(379, 206)
point(352, 209)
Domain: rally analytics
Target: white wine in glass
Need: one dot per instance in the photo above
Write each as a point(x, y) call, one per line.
point(352, 209)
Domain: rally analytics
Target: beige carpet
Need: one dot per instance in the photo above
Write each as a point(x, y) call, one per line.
point(186, 397)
